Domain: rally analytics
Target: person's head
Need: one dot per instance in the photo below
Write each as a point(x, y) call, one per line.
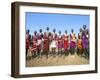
point(66, 31)
point(72, 30)
point(79, 37)
point(84, 27)
point(35, 32)
point(27, 31)
point(80, 29)
point(59, 32)
point(54, 30)
point(50, 34)
point(47, 28)
point(40, 30)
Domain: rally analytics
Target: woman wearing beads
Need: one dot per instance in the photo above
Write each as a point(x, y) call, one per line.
point(53, 44)
point(79, 43)
point(72, 42)
point(66, 43)
point(60, 43)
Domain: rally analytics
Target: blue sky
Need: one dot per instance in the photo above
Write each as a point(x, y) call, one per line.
point(36, 21)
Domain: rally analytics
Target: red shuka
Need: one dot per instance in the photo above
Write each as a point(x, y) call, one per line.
point(46, 43)
point(66, 42)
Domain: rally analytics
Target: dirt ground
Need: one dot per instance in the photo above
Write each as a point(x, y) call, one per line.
point(57, 60)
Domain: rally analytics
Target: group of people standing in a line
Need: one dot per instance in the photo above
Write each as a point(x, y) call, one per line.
point(47, 43)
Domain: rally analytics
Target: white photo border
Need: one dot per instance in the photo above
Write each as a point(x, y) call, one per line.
point(54, 69)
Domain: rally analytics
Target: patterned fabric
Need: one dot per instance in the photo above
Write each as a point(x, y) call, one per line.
point(60, 42)
point(46, 43)
point(73, 41)
point(85, 43)
point(80, 45)
point(53, 43)
point(39, 41)
point(27, 41)
point(34, 48)
point(72, 44)
point(34, 38)
point(66, 42)
point(85, 40)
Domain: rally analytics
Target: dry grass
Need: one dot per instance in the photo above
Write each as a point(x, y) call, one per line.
point(57, 60)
